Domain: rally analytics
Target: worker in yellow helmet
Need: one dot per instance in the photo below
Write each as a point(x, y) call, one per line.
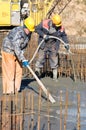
point(13, 58)
point(50, 27)
point(29, 23)
point(56, 19)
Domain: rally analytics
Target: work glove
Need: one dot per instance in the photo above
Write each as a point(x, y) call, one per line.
point(67, 47)
point(25, 63)
point(46, 37)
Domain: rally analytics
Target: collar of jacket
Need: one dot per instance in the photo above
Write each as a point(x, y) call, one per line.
point(46, 24)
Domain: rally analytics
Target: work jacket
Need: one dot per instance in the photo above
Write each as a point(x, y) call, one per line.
point(46, 27)
point(15, 42)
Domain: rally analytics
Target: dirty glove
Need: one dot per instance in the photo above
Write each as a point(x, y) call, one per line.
point(67, 47)
point(25, 63)
point(46, 37)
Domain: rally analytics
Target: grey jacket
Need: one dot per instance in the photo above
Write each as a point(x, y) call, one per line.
point(15, 42)
point(51, 30)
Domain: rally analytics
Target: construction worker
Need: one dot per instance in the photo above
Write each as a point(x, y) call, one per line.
point(50, 27)
point(13, 58)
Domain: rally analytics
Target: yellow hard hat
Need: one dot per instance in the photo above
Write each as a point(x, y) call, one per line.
point(56, 19)
point(29, 23)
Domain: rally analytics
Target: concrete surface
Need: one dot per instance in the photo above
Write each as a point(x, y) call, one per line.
point(64, 83)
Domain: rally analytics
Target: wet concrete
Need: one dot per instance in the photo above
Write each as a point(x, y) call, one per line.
point(64, 84)
point(73, 88)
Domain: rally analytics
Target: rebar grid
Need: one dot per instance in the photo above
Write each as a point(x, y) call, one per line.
point(75, 66)
point(24, 111)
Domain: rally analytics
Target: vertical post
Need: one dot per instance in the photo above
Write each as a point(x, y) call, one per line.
point(39, 108)
point(11, 112)
point(4, 113)
point(60, 110)
point(1, 113)
point(32, 107)
point(66, 110)
point(16, 110)
point(78, 112)
point(48, 110)
point(73, 67)
point(29, 107)
point(21, 111)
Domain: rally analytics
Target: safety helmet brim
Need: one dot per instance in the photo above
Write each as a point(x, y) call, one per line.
point(30, 24)
point(59, 25)
point(32, 30)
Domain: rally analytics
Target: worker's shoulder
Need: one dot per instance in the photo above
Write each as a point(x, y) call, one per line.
point(18, 32)
point(47, 23)
point(17, 29)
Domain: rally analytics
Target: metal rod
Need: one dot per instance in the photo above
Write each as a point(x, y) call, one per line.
point(66, 110)
point(39, 108)
point(78, 111)
point(60, 110)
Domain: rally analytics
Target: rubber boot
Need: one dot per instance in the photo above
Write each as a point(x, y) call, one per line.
point(55, 74)
point(37, 72)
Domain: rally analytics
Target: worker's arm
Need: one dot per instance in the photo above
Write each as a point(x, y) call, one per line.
point(41, 31)
point(19, 45)
point(65, 39)
point(63, 36)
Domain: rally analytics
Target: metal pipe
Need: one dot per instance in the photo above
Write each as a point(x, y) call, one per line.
point(42, 43)
point(69, 52)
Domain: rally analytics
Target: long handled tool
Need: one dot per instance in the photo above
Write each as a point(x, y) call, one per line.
point(41, 85)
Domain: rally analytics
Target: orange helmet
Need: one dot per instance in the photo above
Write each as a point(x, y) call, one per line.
point(56, 19)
